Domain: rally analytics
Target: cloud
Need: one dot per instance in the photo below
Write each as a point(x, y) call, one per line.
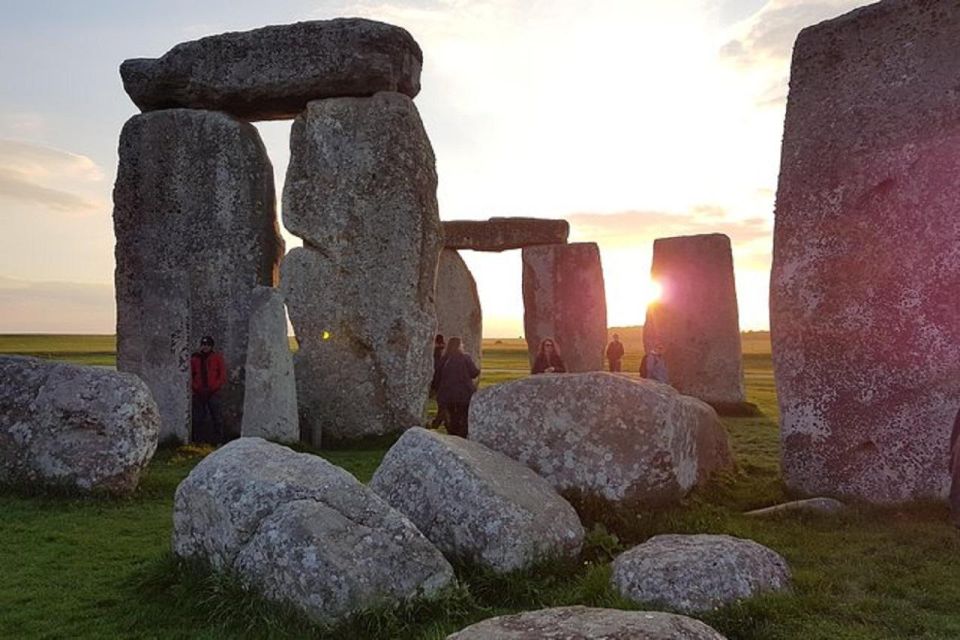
point(56, 307)
point(768, 35)
point(49, 177)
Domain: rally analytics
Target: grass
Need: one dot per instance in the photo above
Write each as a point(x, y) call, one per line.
point(101, 568)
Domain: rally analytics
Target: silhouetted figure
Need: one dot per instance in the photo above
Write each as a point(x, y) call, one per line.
point(438, 347)
point(615, 353)
point(654, 367)
point(208, 374)
point(548, 358)
point(455, 387)
point(955, 472)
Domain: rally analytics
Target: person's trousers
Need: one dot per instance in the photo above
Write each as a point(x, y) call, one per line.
point(207, 418)
point(614, 365)
point(457, 418)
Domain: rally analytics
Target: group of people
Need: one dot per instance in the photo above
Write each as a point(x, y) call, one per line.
point(652, 365)
point(453, 374)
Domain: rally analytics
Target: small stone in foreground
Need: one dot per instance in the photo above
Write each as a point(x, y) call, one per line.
point(693, 573)
point(273, 72)
point(810, 505)
point(586, 623)
point(61, 424)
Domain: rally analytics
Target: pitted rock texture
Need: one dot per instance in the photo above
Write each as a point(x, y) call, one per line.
point(83, 427)
point(699, 572)
point(586, 623)
point(476, 504)
point(361, 192)
point(502, 234)
point(196, 232)
point(458, 304)
point(811, 505)
point(564, 299)
point(696, 318)
point(301, 530)
point(866, 272)
point(602, 434)
point(270, 397)
point(273, 72)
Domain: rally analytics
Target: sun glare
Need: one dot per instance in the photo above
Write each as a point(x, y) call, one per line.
point(650, 292)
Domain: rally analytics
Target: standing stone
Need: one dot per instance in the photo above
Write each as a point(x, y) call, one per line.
point(270, 398)
point(696, 318)
point(273, 72)
point(865, 321)
point(196, 232)
point(88, 428)
point(564, 298)
point(361, 192)
point(501, 234)
point(458, 305)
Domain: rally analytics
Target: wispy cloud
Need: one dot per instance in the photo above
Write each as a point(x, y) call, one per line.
point(54, 307)
point(52, 178)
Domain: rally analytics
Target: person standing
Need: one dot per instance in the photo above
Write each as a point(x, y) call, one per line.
point(438, 347)
point(548, 358)
point(455, 387)
point(615, 353)
point(653, 365)
point(208, 374)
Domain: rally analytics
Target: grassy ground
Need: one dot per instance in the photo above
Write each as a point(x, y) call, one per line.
point(100, 568)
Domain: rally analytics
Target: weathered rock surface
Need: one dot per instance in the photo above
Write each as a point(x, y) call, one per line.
point(270, 399)
point(502, 234)
point(301, 530)
point(603, 434)
point(361, 192)
point(196, 232)
point(65, 425)
point(475, 504)
point(586, 623)
point(866, 273)
point(458, 304)
point(273, 72)
point(811, 505)
point(564, 299)
point(698, 572)
point(696, 318)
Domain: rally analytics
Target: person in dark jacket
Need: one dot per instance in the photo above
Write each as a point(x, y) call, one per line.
point(955, 472)
point(438, 347)
point(615, 353)
point(653, 365)
point(548, 358)
point(208, 374)
point(455, 387)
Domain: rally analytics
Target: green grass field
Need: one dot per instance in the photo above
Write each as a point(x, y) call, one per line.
point(100, 568)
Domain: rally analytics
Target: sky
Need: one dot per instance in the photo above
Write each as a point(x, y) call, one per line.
point(632, 119)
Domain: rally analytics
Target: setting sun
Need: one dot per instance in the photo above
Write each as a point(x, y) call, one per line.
point(650, 292)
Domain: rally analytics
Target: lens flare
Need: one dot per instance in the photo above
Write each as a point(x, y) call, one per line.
point(650, 292)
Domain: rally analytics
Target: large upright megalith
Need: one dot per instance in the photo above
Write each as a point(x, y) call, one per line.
point(696, 318)
point(196, 232)
point(361, 192)
point(458, 304)
point(564, 298)
point(866, 275)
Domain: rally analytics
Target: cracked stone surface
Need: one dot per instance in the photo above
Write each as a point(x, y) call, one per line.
point(273, 72)
point(85, 427)
point(586, 623)
point(603, 434)
point(303, 531)
point(361, 191)
point(476, 504)
point(698, 572)
point(864, 317)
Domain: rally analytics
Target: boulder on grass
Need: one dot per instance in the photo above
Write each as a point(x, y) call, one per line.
point(303, 531)
point(602, 434)
point(87, 428)
point(698, 572)
point(586, 623)
point(810, 505)
point(475, 504)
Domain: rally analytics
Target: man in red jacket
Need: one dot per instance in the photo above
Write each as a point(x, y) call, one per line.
point(208, 374)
